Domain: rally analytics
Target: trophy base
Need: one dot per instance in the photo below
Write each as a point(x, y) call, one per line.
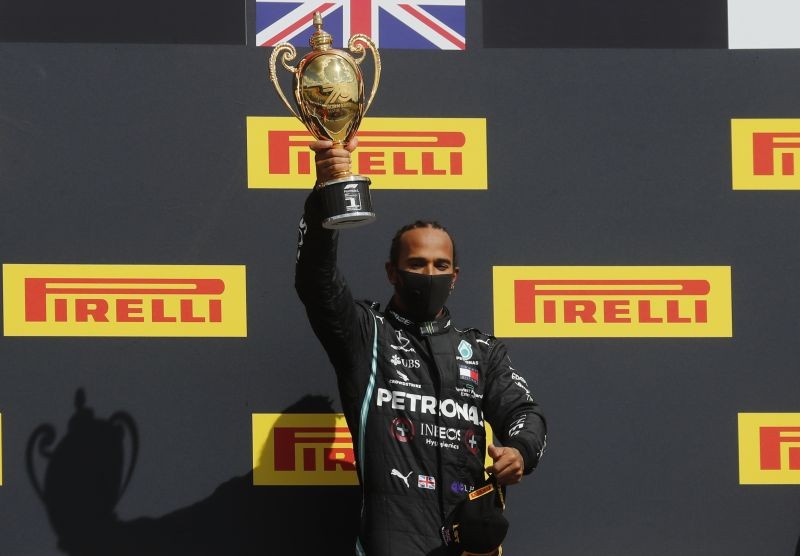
point(346, 203)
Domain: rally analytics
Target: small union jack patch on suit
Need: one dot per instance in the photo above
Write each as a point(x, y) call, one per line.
point(426, 482)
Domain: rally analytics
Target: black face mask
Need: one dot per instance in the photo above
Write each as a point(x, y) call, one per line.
point(423, 295)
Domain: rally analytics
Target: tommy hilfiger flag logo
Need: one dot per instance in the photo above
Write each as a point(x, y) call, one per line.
point(468, 374)
point(416, 24)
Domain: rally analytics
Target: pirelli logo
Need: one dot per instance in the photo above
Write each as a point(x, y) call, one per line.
point(302, 449)
point(765, 153)
point(397, 153)
point(615, 301)
point(124, 300)
point(481, 492)
point(769, 448)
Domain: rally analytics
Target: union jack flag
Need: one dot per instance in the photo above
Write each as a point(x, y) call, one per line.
point(390, 23)
point(426, 481)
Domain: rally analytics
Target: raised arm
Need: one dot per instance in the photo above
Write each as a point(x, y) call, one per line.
point(335, 318)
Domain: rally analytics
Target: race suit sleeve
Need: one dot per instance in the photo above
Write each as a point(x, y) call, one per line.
point(516, 419)
point(341, 325)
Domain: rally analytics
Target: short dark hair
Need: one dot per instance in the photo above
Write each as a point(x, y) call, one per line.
point(394, 249)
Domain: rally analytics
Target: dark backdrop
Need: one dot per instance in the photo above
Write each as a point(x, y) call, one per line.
point(136, 154)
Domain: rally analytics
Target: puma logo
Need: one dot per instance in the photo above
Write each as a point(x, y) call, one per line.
point(396, 473)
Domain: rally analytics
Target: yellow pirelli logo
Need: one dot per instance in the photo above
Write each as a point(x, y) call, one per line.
point(397, 153)
point(612, 301)
point(765, 153)
point(302, 449)
point(769, 448)
point(309, 449)
point(124, 300)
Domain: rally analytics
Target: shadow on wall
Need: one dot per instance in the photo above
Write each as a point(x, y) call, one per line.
point(86, 474)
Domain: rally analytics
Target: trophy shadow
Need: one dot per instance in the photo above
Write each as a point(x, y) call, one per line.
point(87, 472)
point(797, 548)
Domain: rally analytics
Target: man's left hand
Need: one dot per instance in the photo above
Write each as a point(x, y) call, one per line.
point(508, 464)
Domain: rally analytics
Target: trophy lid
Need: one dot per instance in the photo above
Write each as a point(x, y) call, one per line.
point(320, 40)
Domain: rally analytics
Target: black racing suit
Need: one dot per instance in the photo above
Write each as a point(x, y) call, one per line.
point(415, 396)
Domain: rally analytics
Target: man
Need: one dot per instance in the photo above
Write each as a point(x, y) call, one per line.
point(415, 389)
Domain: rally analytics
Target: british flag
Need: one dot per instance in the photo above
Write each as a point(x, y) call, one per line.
point(390, 23)
point(426, 482)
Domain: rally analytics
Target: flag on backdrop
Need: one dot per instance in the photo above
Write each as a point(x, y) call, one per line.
point(415, 24)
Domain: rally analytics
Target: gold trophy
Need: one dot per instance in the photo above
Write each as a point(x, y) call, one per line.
point(329, 94)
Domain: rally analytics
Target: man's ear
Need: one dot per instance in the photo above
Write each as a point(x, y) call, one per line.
point(455, 277)
point(391, 273)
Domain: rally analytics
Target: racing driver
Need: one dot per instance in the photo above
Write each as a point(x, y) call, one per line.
point(416, 390)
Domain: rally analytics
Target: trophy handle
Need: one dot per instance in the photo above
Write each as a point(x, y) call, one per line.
point(122, 418)
point(289, 54)
point(42, 438)
point(356, 46)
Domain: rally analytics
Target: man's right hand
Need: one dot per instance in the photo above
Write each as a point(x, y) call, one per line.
point(332, 161)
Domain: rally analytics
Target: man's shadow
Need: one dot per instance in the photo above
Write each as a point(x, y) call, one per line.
point(86, 476)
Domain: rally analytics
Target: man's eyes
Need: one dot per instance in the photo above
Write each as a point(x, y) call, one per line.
point(441, 265)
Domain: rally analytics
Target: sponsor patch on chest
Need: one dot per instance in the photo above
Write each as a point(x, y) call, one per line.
point(416, 403)
point(468, 374)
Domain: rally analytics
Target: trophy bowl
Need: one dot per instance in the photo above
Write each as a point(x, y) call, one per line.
point(329, 95)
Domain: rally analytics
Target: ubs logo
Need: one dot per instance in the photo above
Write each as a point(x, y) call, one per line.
point(407, 363)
